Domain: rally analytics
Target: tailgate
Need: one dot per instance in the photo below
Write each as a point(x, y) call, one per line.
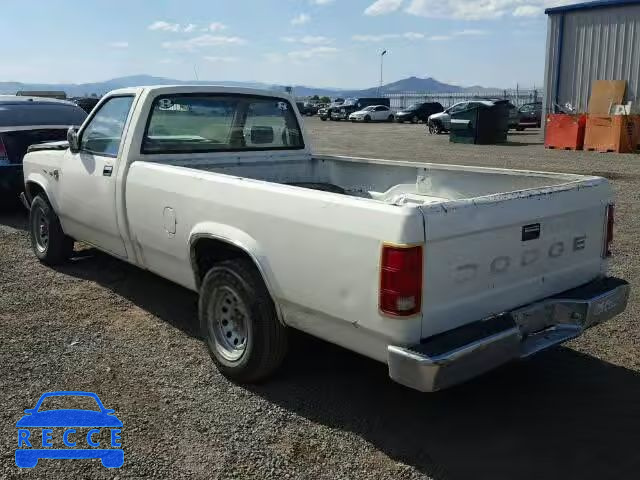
point(491, 254)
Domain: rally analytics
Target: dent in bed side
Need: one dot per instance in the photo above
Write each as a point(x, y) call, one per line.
point(240, 240)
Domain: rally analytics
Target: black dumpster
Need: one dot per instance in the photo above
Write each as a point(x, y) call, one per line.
point(483, 123)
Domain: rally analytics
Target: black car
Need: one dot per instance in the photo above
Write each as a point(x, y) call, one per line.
point(86, 103)
point(418, 112)
point(529, 116)
point(25, 121)
point(351, 105)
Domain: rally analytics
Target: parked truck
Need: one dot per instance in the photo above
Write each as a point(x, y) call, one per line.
point(442, 272)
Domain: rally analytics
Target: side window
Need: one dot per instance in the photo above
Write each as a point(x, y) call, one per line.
point(459, 107)
point(103, 134)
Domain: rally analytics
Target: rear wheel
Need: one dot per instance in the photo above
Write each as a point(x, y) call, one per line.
point(48, 241)
point(390, 118)
point(246, 340)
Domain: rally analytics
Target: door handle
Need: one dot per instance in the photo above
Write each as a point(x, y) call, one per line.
point(107, 170)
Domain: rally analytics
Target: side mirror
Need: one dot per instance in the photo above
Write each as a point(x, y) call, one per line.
point(72, 138)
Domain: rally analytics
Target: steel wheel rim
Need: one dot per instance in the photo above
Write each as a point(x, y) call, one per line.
point(229, 319)
point(41, 230)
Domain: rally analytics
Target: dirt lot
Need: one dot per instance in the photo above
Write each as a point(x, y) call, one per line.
point(100, 325)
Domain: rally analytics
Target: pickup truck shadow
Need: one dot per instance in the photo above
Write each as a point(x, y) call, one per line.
point(561, 415)
point(146, 290)
point(558, 416)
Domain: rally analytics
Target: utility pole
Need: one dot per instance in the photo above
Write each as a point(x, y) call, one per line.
point(384, 52)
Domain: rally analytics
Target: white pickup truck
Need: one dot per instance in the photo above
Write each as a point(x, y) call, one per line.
point(443, 272)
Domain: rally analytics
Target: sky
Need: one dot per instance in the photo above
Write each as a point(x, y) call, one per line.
point(321, 43)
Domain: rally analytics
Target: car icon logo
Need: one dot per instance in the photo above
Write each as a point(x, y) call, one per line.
point(81, 431)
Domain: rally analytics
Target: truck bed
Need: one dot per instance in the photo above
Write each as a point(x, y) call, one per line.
point(391, 182)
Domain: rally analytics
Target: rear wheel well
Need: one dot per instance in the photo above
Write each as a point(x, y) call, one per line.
point(206, 252)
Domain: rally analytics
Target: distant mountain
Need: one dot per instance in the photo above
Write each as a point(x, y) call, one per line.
point(411, 84)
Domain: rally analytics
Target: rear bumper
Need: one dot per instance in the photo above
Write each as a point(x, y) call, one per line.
point(458, 355)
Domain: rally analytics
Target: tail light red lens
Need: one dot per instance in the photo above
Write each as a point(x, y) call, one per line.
point(608, 238)
point(401, 280)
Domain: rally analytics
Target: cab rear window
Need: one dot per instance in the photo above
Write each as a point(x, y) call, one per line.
point(210, 123)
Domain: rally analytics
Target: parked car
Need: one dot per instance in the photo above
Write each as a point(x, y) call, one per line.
point(310, 109)
point(529, 116)
point(442, 272)
point(352, 105)
point(373, 113)
point(301, 108)
point(418, 112)
point(441, 122)
point(23, 122)
point(86, 103)
point(514, 116)
point(325, 113)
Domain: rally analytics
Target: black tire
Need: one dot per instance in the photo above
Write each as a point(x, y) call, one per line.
point(54, 248)
point(265, 343)
point(414, 119)
point(323, 119)
point(367, 118)
point(390, 119)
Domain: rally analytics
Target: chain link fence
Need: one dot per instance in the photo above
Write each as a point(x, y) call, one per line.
point(516, 96)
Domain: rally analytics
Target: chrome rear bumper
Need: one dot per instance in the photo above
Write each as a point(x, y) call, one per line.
point(457, 355)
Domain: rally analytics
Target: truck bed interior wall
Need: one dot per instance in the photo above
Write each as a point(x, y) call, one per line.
point(361, 176)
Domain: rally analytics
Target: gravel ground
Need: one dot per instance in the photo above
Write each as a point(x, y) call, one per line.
point(100, 325)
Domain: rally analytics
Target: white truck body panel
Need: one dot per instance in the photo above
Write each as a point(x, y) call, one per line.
point(319, 251)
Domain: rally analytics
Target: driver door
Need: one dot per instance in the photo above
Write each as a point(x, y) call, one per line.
point(88, 178)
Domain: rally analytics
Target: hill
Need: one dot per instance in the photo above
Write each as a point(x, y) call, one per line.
point(411, 84)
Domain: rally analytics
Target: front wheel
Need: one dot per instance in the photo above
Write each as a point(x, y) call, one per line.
point(48, 241)
point(323, 119)
point(367, 118)
point(414, 119)
point(246, 340)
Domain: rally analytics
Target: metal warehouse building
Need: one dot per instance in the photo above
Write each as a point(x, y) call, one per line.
point(591, 41)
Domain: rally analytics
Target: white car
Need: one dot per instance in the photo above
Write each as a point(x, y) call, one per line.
point(442, 272)
point(441, 121)
point(373, 113)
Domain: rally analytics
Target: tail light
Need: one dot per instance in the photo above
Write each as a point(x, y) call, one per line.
point(401, 280)
point(4, 157)
point(608, 233)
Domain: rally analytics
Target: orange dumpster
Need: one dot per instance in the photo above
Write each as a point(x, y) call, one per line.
point(612, 133)
point(565, 132)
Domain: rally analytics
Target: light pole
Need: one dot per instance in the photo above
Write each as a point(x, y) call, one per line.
point(384, 52)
